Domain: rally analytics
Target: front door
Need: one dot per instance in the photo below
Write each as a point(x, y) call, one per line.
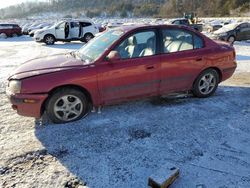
point(135, 74)
point(60, 31)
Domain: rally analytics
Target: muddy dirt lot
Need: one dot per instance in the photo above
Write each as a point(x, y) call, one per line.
point(208, 139)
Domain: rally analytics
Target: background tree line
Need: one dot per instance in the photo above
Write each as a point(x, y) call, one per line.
point(130, 8)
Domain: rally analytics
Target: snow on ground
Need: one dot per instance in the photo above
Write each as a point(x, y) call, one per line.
point(208, 139)
point(243, 56)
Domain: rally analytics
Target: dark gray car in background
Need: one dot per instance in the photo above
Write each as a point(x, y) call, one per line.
point(233, 32)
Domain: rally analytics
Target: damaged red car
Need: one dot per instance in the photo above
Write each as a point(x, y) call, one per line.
point(122, 64)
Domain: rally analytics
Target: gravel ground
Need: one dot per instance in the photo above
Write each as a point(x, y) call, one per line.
point(208, 139)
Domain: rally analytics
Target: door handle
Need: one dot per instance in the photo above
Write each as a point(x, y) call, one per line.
point(198, 59)
point(150, 67)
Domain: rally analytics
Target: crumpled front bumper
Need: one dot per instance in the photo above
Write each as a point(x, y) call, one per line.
point(28, 104)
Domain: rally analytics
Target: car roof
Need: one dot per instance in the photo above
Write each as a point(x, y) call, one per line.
point(78, 20)
point(180, 19)
point(8, 24)
point(151, 26)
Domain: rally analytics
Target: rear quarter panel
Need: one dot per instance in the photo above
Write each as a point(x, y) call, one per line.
point(222, 58)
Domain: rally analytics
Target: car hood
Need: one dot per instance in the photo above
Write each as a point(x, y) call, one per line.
point(226, 28)
point(46, 65)
point(221, 30)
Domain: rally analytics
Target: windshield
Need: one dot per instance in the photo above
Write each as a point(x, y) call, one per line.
point(96, 47)
point(57, 24)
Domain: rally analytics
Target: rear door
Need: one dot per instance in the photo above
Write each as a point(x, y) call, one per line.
point(182, 59)
point(74, 30)
point(87, 27)
point(246, 31)
point(243, 33)
point(136, 74)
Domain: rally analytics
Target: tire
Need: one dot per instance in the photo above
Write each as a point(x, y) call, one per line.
point(3, 35)
point(14, 35)
point(206, 83)
point(231, 39)
point(87, 37)
point(66, 105)
point(49, 39)
point(82, 39)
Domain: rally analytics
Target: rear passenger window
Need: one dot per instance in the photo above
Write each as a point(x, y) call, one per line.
point(85, 24)
point(74, 24)
point(177, 40)
point(198, 42)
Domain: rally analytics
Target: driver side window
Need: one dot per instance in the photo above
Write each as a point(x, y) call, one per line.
point(138, 45)
point(61, 26)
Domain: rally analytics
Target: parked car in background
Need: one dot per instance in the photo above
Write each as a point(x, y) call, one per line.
point(32, 33)
point(215, 25)
point(102, 28)
point(184, 21)
point(32, 30)
point(69, 30)
point(10, 30)
point(113, 25)
point(233, 32)
point(212, 27)
point(25, 29)
point(124, 63)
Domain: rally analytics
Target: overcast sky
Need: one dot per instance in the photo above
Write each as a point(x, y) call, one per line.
point(6, 3)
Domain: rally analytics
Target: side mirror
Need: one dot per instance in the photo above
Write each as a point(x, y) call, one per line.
point(56, 27)
point(238, 29)
point(113, 56)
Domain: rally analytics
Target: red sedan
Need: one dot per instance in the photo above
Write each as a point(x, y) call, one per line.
point(119, 65)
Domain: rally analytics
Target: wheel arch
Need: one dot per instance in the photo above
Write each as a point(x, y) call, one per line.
point(214, 68)
point(77, 87)
point(49, 34)
point(89, 33)
point(232, 35)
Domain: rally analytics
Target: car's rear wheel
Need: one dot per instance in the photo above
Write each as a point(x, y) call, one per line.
point(206, 83)
point(14, 35)
point(3, 35)
point(67, 105)
point(231, 39)
point(88, 37)
point(49, 39)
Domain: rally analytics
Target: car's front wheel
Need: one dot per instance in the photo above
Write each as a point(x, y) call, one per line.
point(206, 83)
point(67, 105)
point(49, 39)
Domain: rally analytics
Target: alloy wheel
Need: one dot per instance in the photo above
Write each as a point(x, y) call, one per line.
point(68, 108)
point(207, 83)
point(49, 40)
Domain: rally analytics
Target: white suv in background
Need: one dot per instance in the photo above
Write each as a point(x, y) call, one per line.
point(67, 30)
